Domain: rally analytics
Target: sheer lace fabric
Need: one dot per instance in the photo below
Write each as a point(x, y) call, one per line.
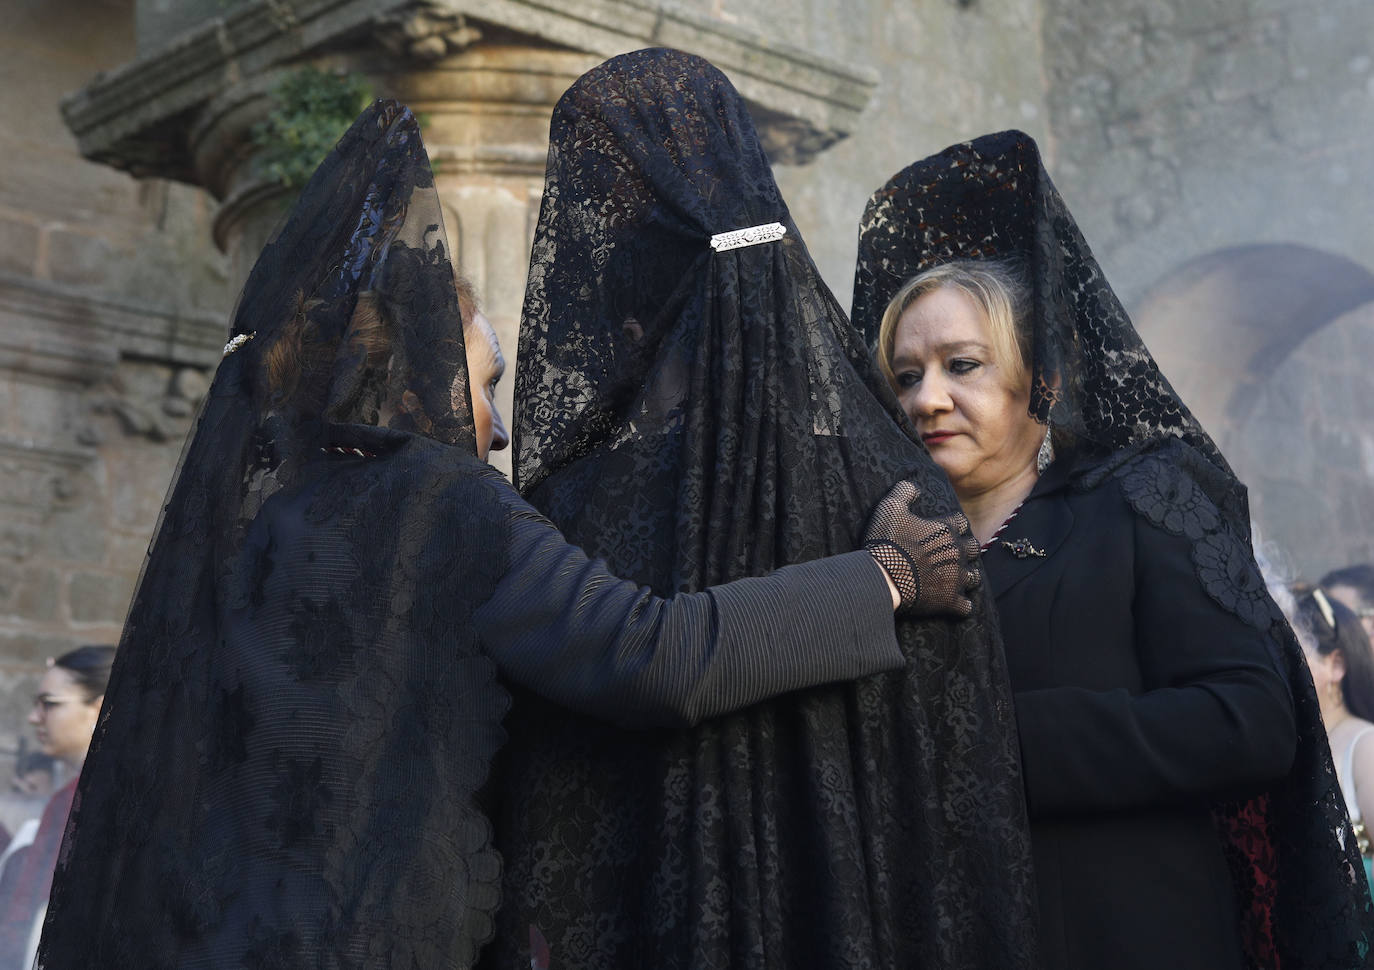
point(1292, 852)
point(298, 718)
point(695, 417)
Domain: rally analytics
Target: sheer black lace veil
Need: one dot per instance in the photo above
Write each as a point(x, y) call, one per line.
point(1304, 898)
point(694, 417)
point(259, 760)
point(634, 190)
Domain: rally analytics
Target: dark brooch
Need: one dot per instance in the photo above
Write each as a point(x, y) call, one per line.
point(1022, 548)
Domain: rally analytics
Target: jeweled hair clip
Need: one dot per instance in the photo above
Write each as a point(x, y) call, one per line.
point(752, 236)
point(238, 341)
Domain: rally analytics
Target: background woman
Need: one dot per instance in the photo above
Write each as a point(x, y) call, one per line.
point(63, 717)
point(306, 701)
point(1354, 586)
point(1338, 652)
point(1151, 670)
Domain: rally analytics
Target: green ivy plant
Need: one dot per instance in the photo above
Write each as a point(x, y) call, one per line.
point(311, 109)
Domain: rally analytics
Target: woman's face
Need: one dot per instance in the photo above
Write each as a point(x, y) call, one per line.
point(62, 718)
point(969, 410)
point(485, 368)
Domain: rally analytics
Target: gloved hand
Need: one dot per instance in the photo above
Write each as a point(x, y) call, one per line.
point(932, 562)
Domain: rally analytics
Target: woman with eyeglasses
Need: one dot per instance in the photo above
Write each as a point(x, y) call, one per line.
point(1342, 663)
point(64, 714)
point(1353, 586)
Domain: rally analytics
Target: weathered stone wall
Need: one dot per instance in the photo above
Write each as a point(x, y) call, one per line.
point(948, 72)
point(1175, 129)
point(108, 287)
point(1182, 128)
point(1307, 449)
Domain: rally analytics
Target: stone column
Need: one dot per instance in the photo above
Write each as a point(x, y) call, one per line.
point(486, 112)
point(483, 75)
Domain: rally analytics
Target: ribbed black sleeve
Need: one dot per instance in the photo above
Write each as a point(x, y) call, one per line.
point(562, 625)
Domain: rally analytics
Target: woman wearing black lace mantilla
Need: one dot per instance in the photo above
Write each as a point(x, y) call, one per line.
point(1184, 811)
point(305, 699)
point(693, 405)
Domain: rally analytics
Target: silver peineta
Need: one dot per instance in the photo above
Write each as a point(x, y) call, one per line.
point(752, 236)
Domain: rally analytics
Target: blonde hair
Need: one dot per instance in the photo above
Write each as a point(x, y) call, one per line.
point(996, 287)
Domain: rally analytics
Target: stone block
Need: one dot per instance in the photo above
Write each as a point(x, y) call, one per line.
point(18, 540)
point(127, 551)
point(138, 476)
point(100, 597)
point(28, 592)
point(18, 246)
point(43, 413)
point(77, 533)
point(29, 650)
point(1238, 70)
point(85, 260)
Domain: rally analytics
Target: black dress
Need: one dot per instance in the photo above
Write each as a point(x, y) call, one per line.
point(1156, 681)
point(305, 700)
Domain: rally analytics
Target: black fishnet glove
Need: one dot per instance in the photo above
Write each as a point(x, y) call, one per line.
point(932, 562)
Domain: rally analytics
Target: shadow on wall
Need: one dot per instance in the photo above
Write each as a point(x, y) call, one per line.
point(1269, 345)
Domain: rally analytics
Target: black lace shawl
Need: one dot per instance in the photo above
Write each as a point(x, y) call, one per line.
point(284, 769)
point(695, 417)
point(1304, 899)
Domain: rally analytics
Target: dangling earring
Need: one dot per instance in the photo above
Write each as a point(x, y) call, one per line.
point(1046, 455)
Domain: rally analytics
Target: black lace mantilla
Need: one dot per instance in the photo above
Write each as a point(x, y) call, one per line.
point(695, 417)
point(285, 769)
point(1304, 902)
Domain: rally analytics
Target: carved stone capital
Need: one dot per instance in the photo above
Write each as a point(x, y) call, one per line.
point(425, 33)
point(140, 117)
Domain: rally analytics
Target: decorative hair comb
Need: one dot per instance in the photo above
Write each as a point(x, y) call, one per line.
point(752, 236)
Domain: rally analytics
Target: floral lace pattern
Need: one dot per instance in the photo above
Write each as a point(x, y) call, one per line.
point(299, 719)
point(694, 417)
point(1092, 377)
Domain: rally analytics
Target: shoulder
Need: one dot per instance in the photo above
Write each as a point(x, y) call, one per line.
point(1189, 509)
point(1166, 483)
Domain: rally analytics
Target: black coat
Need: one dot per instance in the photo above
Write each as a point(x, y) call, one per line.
point(1140, 702)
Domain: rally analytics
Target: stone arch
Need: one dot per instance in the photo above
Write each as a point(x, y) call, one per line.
point(1220, 325)
point(1269, 344)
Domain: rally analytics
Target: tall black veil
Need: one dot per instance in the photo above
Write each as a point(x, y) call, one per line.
point(1306, 902)
point(284, 769)
point(695, 416)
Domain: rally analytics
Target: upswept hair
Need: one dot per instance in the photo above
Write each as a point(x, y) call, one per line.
point(1359, 577)
point(299, 356)
point(89, 667)
point(997, 287)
